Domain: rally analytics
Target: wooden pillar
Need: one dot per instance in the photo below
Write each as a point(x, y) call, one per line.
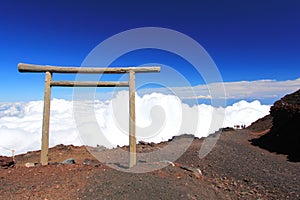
point(132, 137)
point(13, 154)
point(46, 119)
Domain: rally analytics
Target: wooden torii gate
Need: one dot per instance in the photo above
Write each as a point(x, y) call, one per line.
point(49, 70)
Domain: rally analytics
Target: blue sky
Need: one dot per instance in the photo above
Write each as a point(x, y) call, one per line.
point(248, 40)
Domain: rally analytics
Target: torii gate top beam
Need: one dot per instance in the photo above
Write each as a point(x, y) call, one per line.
point(84, 70)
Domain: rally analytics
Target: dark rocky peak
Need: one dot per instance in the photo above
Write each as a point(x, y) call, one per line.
point(284, 135)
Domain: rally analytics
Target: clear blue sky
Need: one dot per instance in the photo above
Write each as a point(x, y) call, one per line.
point(248, 40)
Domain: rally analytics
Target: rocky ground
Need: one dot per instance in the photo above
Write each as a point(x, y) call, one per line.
point(284, 134)
point(234, 169)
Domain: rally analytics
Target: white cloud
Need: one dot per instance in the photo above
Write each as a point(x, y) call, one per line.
point(258, 89)
point(245, 113)
point(159, 117)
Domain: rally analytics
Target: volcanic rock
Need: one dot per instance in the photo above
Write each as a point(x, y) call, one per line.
point(6, 162)
point(262, 124)
point(284, 135)
point(68, 161)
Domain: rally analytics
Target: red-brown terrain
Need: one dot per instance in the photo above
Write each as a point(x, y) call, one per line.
point(234, 169)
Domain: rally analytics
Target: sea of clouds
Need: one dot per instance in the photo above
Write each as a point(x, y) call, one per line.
point(159, 117)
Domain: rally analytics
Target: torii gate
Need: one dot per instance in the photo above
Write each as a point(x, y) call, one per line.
point(49, 70)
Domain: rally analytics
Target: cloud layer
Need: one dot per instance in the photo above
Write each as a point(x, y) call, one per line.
point(159, 117)
point(259, 89)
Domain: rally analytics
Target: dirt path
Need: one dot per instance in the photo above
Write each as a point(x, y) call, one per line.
point(252, 169)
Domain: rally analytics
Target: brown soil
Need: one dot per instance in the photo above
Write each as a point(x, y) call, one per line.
point(234, 169)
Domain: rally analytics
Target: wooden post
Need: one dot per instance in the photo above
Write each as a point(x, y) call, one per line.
point(132, 138)
point(46, 119)
point(13, 155)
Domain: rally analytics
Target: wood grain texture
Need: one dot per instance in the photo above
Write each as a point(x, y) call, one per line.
point(46, 120)
point(132, 136)
point(89, 84)
point(84, 70)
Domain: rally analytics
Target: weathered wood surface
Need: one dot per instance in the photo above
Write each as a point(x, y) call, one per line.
point(89, 84)
point(46, 120)
point(84, 70)
point(132, 136)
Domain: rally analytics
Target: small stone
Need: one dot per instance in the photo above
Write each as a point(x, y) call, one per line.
point(197, 175)
point(246, 180)
point(29, 164)
point(251, 192)
point(243, 193)
point(69, 161)
point(260, 187)
point(90, 162)
point(265, 171)
point(55, 163)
